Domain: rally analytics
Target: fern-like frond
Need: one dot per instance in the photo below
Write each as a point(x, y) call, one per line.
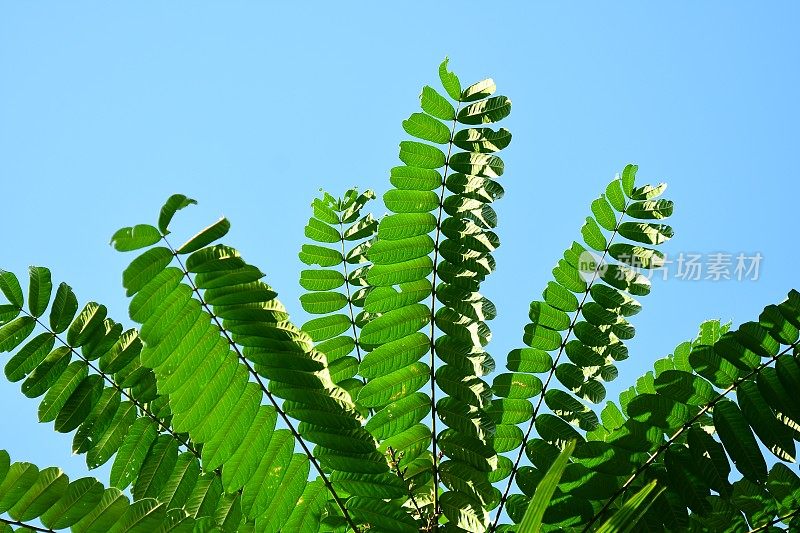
point(716, 403)
point(219, 341)
point(84, 505)
point(583, 315)
point(439, 230)
point(339, 231)
point(94, 383)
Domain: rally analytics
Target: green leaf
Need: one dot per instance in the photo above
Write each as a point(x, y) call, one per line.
point(615, 196)
point(426, 127)
point(570, 409)
point(593, 235)
point(650, 209)
point(684, 387)
point(380, 515)
point(484, 140)
point(632, 511)
point(382, 486)
point(739, 441)
point(215, 231)
point(435, 104)
point(61, 390)
point(311, 254)
point(65, 305)
point(529, 360)
point(626, 279)
point(399, 416)
point(142, 516)
point(18, 479)
point(319, 303)
point(416, 154)
point(516, 385)
point(80, 497)
point(319, 231)
point(464, 512)
point(99, 419)
point(46, 373)
point(48, 488)
point(111, 438)
point(325, 327)
point(559, 297)
point(391, 387)
point(40, 289)
point(321, 280)
point(490, 110)
point(29, 357)
point(659, 411)
point(478, 91)
point(174, 203)
point(647, 192)
point(394, 355)
point(532, 521)
point(383, 299)
point(134, 238)
point(80, 403)
point(548, 316)
point(776, 437)
point(144, 268)
point(477, 164)
point(15, 332)
point(131, 454)
point(706, 362)
point(646, 232)
point(363, 229)
point(449, 80)
point(395, 325)
point(157, 468)
point(415, 179)
point(105, 514)
point(404, 225)
point(628, 178)
point(8, 313)
point(636, 256)
point(9, 285)
point(604, 213)
point(89, 322)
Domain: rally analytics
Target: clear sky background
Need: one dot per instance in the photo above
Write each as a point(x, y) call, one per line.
point(106, 110)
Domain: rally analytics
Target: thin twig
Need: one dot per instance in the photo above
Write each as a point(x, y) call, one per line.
point(395, 462)
point(349, 301)
point(784, 518)
point(22, 524)
point(433, 330)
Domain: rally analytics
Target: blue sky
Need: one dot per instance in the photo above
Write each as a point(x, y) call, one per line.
point(106, 110)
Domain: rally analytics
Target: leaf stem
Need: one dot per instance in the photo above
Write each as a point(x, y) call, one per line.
point(765, 527)
point(436, 510)
point(396, 464)
point(349, 300)
point(24, 525)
